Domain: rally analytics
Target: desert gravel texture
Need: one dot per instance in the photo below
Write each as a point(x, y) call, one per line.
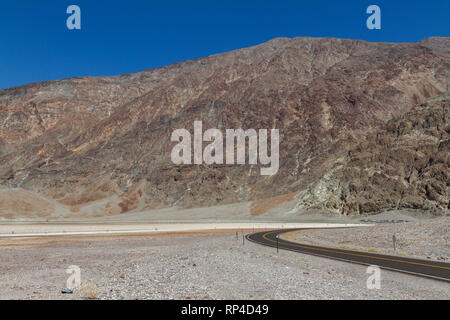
point(208, 265)
point(425, 238)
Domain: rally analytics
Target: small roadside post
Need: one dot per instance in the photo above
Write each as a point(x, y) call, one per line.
point(277, 243)
point(237, 235)
point(394, 242)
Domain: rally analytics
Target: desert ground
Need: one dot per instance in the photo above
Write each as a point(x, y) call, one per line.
point(207, 261)
point(424, 239)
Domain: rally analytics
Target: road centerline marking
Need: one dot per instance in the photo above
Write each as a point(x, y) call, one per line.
point(264, 236)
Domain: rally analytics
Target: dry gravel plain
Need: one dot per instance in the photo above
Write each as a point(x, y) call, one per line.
point(189, 265)
point(424, 238)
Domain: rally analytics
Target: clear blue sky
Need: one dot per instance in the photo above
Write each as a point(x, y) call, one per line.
point(123, 36)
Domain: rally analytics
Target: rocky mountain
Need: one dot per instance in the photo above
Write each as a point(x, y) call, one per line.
point(350, 115)
point(403, 164)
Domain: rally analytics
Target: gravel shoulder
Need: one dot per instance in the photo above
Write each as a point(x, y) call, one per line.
point(425, 238)
point(189, 266)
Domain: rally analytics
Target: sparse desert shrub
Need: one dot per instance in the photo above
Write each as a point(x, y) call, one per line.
point(89, 290)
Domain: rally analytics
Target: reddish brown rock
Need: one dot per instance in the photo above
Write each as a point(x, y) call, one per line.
point(84, 140)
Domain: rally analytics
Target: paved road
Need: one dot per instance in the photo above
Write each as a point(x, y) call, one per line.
point(425, 268)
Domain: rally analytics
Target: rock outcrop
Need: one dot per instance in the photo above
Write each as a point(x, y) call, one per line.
point(403, 164)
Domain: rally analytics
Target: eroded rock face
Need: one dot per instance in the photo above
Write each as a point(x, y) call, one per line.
point(107, 139)
point(403, 164)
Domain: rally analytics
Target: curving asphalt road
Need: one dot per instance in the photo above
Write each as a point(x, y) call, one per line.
point(425, 268)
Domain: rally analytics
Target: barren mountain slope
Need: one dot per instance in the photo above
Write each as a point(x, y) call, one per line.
point(106, 140)
point(403, 164)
